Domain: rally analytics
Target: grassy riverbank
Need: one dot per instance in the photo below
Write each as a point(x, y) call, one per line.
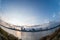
point(53, 36)
point(6, 36)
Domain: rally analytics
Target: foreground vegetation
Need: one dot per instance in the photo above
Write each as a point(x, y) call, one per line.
point(6, 36)
point(53, 36)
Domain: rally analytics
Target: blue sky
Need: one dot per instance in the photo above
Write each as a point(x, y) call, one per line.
point(30, 12)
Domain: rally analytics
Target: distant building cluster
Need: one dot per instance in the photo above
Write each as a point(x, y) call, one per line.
point(35, 28)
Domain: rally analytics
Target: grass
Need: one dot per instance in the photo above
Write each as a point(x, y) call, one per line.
point(53, 36)
point(6, 36)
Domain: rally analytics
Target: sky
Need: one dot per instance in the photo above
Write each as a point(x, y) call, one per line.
point(29, 12)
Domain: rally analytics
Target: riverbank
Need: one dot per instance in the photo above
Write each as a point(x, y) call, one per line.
point(53, 36)
point(6, 36)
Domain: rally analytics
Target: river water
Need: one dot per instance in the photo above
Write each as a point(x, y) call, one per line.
point(29, 35)
point(35, 35)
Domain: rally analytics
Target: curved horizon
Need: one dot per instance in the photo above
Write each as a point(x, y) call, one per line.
point(30, 12)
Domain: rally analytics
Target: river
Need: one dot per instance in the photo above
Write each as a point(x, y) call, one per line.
point(29, 35)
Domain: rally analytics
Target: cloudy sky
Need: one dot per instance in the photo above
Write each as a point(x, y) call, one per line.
point(29, 12)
